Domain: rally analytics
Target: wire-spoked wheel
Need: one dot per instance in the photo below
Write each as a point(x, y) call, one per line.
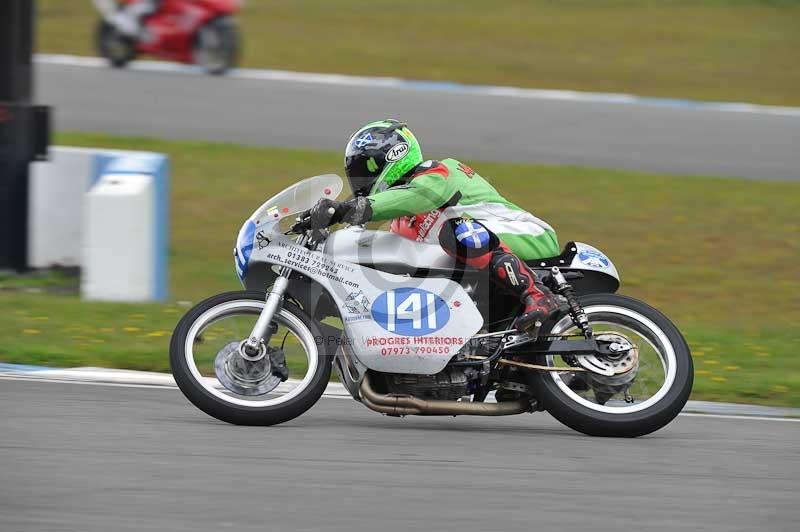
point(278, 383)
point(652, 379)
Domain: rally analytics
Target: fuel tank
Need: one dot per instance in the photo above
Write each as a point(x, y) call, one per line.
point(387, 252)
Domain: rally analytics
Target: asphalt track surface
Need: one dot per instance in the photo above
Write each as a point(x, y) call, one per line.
point(76, 457)
point(470, 125)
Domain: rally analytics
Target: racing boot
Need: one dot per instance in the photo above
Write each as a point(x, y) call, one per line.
point(513, 274)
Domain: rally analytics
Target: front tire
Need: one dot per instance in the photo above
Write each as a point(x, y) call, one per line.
point(618, 419)
point(118, 49)
point(209, 397)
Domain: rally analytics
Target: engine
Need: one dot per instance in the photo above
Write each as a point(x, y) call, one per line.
point(450, 384)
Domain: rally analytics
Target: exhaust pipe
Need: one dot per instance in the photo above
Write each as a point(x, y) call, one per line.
point(406, 405)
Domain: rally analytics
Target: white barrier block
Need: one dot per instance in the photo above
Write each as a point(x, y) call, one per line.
point(118, 228)
point(56, 194)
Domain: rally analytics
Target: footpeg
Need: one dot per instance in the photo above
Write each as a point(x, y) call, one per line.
point(514, 340)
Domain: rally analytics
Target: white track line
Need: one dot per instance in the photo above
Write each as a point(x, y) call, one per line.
point(333, 394)
point(749, 418)
point(29, 378)
point(88, 383)
point(128, 379)
point(398, 83)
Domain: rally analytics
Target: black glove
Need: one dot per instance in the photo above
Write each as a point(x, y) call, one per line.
point(325, 213)
point(330, 212)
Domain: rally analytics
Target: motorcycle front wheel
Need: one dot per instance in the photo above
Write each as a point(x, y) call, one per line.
point(211, 373)
point(654, 381)
point(118, 49)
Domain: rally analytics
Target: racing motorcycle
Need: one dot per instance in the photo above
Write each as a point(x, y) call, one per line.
point(411, 332)
point(200, 32)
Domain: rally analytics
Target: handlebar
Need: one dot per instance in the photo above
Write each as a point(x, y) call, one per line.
point(305, 222)
point(301, 225)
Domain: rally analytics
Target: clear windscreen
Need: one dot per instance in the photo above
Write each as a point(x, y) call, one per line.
point(299, 197)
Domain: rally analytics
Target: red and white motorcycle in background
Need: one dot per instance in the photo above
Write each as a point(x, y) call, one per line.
point(200, 32)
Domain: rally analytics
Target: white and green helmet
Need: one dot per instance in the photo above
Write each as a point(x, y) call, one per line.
point(379, 155)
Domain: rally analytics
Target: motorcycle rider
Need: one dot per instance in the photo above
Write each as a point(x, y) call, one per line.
point(128, 19)
point(446, 202)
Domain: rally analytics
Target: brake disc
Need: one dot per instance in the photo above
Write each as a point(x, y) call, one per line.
point(624, 361)
point(242, 376)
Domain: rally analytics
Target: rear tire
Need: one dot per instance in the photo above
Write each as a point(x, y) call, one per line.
point(118, 49)
point(238, 414)
point(586, 418)
point(216, 46)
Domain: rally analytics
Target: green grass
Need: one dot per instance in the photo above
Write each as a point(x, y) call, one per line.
point(719, 256)
point(705, 49)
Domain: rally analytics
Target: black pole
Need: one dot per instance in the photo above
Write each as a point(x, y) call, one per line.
point(24, 128)
point(16, 49)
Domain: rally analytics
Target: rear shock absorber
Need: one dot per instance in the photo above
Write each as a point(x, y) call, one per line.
point(575, 309)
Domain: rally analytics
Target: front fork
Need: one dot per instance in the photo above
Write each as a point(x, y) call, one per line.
point(252, 347)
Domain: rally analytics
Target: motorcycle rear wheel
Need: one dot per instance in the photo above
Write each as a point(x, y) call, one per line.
point(650, 407)
point(216, 46)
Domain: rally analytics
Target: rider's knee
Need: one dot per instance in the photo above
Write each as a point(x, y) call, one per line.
point(468, 241)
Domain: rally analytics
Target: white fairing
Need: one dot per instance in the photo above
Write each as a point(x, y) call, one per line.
point(591, 258)
point(392, 323)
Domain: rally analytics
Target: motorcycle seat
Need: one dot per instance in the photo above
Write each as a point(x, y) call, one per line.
point(563, 260)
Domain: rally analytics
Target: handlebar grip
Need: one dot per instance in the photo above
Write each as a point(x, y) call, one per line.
point(301, 225)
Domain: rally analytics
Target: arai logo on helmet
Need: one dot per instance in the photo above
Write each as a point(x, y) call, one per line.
point(593, 259)
point(397, 152)
point(410, 312)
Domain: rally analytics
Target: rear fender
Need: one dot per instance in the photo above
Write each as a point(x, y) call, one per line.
point(593, 272)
